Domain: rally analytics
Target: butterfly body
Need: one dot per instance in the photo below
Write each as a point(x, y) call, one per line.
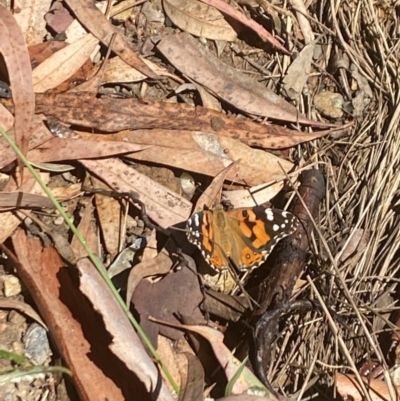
point(244, 236)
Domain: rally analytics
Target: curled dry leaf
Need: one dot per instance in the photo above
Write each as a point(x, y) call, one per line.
point(229, 84)
point(63, 64)
point(256, 195)
point(212, 194)
point(199, 19)
point(23, 307)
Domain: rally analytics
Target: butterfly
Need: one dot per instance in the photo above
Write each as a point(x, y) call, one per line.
point(244, 236)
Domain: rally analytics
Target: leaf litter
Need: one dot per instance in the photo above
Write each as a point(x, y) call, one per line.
point(141, 116)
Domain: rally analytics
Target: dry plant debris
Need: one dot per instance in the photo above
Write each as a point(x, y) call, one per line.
point(137, 115)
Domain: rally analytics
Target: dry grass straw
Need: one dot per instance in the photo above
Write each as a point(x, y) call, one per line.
point(362, 198)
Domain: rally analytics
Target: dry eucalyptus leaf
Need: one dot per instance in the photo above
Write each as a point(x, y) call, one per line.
point(16, 58)
point(298, 72)
point(63, 64)
point(186, 54)
point(253, 196)
point(30, 19)
point(163, 206)
point(199, 19)
point(116, 70)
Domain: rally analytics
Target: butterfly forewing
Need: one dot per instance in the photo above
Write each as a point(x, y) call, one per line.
point(203, 232)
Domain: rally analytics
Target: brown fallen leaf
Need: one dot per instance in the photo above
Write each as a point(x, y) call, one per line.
point(93, 19)
point(199, 19)
point(78, 334)
point(113, 115)
point(40, 135)
point(30, 19)
point(208, 154)
point(109, 216)
point(163, 206)
point(16, 57)
point(177, 293)
point(87, 228)
point(212, 194)
point(193, 389)
point(159, 265)
point(227, 360)
point(23, 200)
point(117, 71)
point(8, 220)
point(23, 307)
point(63, 64)
point(57, 149)
point(298, 72)
point(226, 9)
point(226, 82)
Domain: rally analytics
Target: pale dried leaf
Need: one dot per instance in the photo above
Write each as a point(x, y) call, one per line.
point(30, 19)
point(199, 19)
point(304, 23)
point(63, 64)
point(253, 196)
point(123, 335)
point(298, 72)
point(163, 206)
point(102, 29)
point(226, 82)
point(209, 154)
point(16, 57)
point(6, 118)
point(227, 9)
point(116, 70)
point(8, 220)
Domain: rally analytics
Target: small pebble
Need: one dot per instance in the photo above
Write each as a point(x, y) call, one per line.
point(330, 104)
point(12, 286)
point(37, 347)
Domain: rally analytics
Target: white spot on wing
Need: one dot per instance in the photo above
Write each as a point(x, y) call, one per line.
point(275, 227)
point(270, 214)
